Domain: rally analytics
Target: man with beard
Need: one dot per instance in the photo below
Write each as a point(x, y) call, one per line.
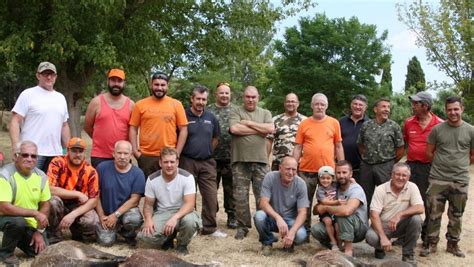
point(162, 123)
point(74, 187)
point(107, 116)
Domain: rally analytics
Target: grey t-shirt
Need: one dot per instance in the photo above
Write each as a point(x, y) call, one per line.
point(285, 200)
point(356, 191)
point(452, 155)
point(329, 192)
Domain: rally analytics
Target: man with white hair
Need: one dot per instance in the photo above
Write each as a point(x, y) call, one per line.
point(318, 143)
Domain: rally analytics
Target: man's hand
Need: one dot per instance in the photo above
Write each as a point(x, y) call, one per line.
point(38, 242)
point(168, 228)
point(66, 222)
point(282, 227)
point(385, 243)
point(148, 228)
point(137, 154)
point(81, 197)
point(288, 239)
point(109, 222)
point(392, 224)
point(42, 220)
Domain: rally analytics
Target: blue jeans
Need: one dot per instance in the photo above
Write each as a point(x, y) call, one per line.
point(266, 225)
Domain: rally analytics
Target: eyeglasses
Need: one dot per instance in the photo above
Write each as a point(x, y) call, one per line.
point(27, 155)
point(48, 74)
point(160, 76)
point(222, 83)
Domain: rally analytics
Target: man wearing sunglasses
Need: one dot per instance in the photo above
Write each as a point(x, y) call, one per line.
point(161, 121)
point(39, 106)
point(24, 206)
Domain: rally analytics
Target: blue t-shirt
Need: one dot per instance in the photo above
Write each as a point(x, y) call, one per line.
point(116, 188)
point(201, 130)
point(349, 133)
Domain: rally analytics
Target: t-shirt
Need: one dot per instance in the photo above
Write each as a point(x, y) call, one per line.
point(318, 139)
point(388, 204)
point(329, 192)
point(201, 130)
point(285, 200)
point(416, 137)
point(249, 148)
point(116, 187)
point(110, 126)
point(452, 156)
point(44, 113)
point(285, 133)
point(169, 195)
point(355, 191)
point(83, 178)
point(349, 133)
point(158, 120)
point(29, 190)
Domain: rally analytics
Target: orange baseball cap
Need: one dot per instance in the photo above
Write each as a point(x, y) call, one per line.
point(116, 73)
point(76, 142)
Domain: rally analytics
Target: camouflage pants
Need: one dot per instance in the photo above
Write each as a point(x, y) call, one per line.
point(243, 173)
point(224, 173)
point(127, 226)
point(311, 180)
point(82, 228)
point(438, 193)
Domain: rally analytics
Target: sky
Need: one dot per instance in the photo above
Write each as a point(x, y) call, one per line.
point(383, 14)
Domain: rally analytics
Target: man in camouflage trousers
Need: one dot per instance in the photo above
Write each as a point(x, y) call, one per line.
point(450, 146)
point(381, 145)
point(286, 125)
point(249, 126)
point(221, 110)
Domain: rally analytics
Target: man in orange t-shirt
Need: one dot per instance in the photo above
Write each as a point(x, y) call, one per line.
point(318, 143)
point(158, 117)
point(74, 186)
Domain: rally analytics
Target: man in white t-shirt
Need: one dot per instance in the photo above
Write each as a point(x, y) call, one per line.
point(170, 198)
point(40, 115)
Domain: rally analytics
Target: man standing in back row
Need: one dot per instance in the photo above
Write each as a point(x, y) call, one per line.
point(162, 123)
point(107, 116)
point(249, 126)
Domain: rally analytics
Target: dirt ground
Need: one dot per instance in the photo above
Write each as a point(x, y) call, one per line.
point(230, 252)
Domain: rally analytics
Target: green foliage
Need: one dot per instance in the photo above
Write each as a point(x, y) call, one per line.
point(415, 77)
point(337, 57)
point(387, 78)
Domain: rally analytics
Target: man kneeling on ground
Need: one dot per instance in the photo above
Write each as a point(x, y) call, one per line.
point(395, 212)
point(172, 192)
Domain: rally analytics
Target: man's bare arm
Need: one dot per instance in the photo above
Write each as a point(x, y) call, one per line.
point(89, 118)
point(182, 135)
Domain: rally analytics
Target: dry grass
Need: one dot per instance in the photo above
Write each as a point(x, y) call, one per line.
point(231, 252)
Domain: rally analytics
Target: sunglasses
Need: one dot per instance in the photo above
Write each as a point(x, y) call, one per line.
point(160, 76)
point(222, 83)
point(27, 155)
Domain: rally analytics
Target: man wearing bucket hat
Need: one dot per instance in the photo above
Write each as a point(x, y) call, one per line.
point(39, 106)
point(107, 117)
point(74, 187)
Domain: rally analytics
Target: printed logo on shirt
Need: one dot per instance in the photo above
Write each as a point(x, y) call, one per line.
point(208, 121)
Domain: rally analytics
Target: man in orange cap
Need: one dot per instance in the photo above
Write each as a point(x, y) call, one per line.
point(74, 187)
point(107, 116)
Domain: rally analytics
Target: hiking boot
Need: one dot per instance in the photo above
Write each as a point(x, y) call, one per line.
point(241, 234)
point(454, 249)
point(11, 260)
point(232, 223)
point(427, 249)
point(410, 259)
point(168, 244)
point(379, 254)
point(266, 250)
point(182, 249)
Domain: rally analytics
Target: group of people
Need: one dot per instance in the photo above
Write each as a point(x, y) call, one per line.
point(351, 165)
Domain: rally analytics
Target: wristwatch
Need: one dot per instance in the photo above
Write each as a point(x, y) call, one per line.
point(117, 214)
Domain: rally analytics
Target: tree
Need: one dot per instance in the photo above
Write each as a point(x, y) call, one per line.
point(415, 77)
point(337, 57)
point(86, 38)
point(446, 33)
point(387, 78)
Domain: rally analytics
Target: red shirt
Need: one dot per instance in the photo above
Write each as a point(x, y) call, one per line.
point(416, 138)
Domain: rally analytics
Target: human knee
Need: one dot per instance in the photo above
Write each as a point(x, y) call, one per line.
point(260, 216)
point(16, 225)
point(372, 238)
point(301, 236)
point(318, 231)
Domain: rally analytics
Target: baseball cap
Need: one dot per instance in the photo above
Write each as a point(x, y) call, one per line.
point(76, 142)
point(116, 73)
point(326, 170)
point(46, 66)
point(422, 97)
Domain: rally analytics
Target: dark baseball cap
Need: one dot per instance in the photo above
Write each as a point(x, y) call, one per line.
point(422, 97)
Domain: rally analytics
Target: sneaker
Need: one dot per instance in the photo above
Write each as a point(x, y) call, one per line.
point(182, 249)
point(11, 260)
point(410, 259)
point(218, 234)
point(232, 223)
point(334, 247)
point(241, 234)
point(169, 244)
point(379, 254)
point(266, 250)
